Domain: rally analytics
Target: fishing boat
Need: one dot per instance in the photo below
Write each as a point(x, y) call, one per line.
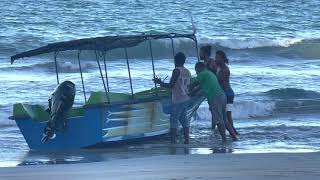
point(105, 116)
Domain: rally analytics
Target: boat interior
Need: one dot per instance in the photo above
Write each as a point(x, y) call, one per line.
point(38, 113)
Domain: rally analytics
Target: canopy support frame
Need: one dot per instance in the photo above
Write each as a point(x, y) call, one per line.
point(128, 66)
point(105, 70)
point(82, 82)
point(56, 65)
point(197, 50)
point(172, 46)
point(153, 69)
point(101, 74)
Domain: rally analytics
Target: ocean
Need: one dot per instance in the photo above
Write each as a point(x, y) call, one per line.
point(273, 47)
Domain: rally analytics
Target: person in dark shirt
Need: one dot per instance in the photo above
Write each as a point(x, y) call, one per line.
point(205, 53)
point(223, 74)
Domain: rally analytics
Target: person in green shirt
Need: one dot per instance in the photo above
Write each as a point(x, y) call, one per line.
point(208, 85)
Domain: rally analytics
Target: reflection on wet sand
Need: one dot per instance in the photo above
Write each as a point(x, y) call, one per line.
point(115, 151)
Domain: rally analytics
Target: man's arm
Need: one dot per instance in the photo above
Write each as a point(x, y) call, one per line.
point(173, 80)
point(194, 91)
point(193, 85)
point(194, 88)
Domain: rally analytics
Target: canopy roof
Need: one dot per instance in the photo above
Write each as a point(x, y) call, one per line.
point(105, 43)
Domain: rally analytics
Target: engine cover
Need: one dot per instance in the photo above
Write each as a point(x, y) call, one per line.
point(60, 102)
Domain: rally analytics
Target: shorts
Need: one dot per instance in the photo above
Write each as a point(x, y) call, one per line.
point(217, 107)
point(230, 97)
point(179, 113)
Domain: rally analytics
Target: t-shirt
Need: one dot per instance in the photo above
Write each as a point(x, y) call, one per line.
point(180, 89)
point(209, 84)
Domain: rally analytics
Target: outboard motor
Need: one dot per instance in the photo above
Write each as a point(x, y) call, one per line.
point(60, 102)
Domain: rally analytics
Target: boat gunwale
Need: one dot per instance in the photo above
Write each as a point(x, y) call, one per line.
point(105, 104)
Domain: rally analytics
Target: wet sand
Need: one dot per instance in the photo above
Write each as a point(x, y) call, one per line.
point(217, 166)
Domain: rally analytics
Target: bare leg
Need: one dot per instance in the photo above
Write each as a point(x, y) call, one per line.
point(186, 135)
point(229, 117)
point(173, 134)
point(232, 133)
point(213, 125)
point(222, 131)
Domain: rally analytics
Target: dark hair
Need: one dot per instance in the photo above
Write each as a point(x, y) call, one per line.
point(200, 65)
point(206, 49)
point(223, 56)
point(179, 58)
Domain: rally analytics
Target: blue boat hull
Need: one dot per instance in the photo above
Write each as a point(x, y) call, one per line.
point(105, 123)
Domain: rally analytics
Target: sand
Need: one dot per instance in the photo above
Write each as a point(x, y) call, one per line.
point(217, 166)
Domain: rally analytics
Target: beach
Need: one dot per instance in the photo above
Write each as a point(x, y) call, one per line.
point(273, 49)
point(175, 167)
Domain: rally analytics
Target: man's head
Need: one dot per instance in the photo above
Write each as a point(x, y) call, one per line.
point(221, 58)
point(200, 66)
point(205, 53)
point(179, 59)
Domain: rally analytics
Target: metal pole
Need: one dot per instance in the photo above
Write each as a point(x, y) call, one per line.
point(172, 45)
point(197, 50)
point(104, 85)
point(154, 73)
point(128, 66)
point(84, 91)
point(56, 65)
point(105, 69)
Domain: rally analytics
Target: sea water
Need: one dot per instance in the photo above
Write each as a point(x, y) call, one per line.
point(273, 47)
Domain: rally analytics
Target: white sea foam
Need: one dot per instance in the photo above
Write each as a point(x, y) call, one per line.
point(251, 43)
point(242, 110)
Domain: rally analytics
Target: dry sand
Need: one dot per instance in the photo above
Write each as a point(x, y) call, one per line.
point(174, 167)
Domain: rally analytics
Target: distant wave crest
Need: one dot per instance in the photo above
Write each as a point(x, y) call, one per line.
point(292, 93)
point(64, 67)
point(251, 43)
point(288, 47)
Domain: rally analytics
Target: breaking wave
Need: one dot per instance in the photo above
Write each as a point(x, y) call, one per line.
point(286, 100)
point(251, 43)
point(64, 67)
point(286, 47)
point(242, 110)
point(292, 93)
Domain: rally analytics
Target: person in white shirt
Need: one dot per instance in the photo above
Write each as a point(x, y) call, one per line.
point(179, 84)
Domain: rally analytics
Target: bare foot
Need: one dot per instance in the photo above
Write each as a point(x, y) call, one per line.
point(235, 138)
point(173, 142)
point(224, 140)
point(236, 132)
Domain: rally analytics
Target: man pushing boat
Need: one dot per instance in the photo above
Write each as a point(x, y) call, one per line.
point(209, 86)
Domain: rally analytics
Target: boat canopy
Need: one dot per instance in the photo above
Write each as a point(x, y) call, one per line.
point(105, 43)
point(100, 45)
